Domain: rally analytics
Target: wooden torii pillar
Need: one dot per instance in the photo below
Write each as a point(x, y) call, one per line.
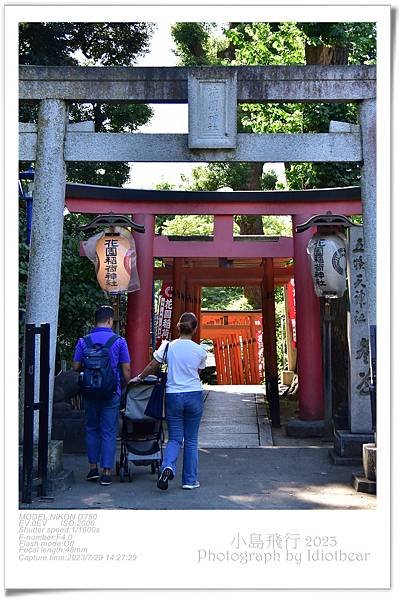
point(309, 346)
point(178, 295)
point(139, 306)
point(269, 341)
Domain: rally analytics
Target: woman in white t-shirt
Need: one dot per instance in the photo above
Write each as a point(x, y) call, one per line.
point(184, 402)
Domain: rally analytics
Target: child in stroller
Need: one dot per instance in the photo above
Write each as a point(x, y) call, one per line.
point(142, 437)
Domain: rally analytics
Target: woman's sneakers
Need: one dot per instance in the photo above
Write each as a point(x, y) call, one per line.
point(93, 475)
point(166, 474)
point(191, 486)
point(105, 479)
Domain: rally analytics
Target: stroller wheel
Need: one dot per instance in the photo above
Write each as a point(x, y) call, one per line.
point(153, 468)
point(122, 474)
point(130, 472)
point(117, 468)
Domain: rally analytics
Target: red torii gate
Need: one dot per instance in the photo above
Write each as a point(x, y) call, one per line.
point(144, 205)
point(236, 345)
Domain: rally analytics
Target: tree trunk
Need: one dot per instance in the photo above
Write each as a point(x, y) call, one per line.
point(252, 225)
point(326, 55)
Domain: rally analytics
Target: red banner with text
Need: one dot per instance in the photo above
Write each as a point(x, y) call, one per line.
point(163, 323)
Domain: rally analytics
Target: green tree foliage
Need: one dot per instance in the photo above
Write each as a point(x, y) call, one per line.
point(189, 225)
point(195, 44)
point(91, 44)
point(359, 39)
point(288, 43)
point(279, 44)
point(224, 298)
point(80, 293)
point(105, 44)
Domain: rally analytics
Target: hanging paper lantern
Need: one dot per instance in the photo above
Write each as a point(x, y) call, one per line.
point(328, 256)
point(114, 255)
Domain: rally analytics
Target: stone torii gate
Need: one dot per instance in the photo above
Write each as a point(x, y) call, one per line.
point(212, 94)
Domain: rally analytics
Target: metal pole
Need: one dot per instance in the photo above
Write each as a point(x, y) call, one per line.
point(29, 393)
point(372, 386)
point(29, 202)
point(327, 368)
point(153, 321)
point(43, 446)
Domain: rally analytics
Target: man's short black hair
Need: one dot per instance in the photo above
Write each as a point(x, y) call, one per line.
point(104, 313)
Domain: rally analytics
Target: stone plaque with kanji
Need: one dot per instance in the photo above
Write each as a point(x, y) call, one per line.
point(212, 111)
point(358, 336)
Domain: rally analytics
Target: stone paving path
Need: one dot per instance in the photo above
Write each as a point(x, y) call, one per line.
point(235, 417)
point(240, 468)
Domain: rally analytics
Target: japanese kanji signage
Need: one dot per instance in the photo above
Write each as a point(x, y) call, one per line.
point(328, 263)
point(358, 336)
point(163, 324)
point(114, 255)
point(292, 311)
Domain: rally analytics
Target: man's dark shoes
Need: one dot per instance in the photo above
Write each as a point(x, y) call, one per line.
point(166, 474)
point(105, 479)
point(93, 475)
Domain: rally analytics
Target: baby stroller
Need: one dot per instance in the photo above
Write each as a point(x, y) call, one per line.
point(142, 437)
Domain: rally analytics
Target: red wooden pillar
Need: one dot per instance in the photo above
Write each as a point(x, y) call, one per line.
point(188, 297)
point(226, 361)
point(269, 341)
point(255, 349)
point(238, 360)
point(308, 327)
point(178, 295)
point(217, 357)
point(247, 366)
point(139, 307)
point(234, 359)
point(197, 311)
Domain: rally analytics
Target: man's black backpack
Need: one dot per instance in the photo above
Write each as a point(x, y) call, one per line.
point(97, 379)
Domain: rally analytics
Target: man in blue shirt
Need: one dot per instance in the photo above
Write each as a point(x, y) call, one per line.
point(101, 416)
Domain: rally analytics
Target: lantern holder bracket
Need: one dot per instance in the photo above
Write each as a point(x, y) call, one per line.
point(326, 220)
point(112, 220)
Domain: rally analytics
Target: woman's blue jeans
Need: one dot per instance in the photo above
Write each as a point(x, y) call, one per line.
point(183, 412)
point(101, 424)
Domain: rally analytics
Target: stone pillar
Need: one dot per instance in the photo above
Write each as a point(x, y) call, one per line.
point(269, 341)
point(348, 443)
point(360, 418)
point(43, 286)
point(140, 306)
point(309, 346)
point(367, 119)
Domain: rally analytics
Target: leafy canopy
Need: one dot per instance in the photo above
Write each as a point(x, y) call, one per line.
point(101, 44)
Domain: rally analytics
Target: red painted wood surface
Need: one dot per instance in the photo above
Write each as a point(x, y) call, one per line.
point(139, 306)
point(308, 327)
point(235, 337)
point(104, 206)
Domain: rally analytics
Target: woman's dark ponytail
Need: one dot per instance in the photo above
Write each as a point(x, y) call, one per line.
point(187, 323)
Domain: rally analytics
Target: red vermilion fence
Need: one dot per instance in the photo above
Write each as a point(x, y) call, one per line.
point(237, 345)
